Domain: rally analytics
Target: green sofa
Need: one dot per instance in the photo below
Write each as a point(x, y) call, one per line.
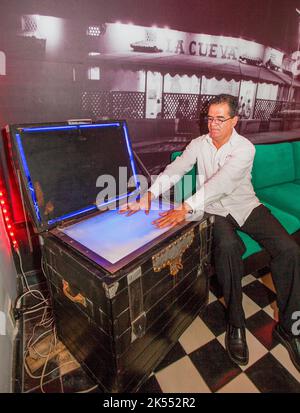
point(276, 180)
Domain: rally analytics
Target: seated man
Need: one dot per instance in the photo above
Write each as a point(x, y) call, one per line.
point(224, 160)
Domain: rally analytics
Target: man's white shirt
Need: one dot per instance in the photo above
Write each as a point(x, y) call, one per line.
point(223, 176)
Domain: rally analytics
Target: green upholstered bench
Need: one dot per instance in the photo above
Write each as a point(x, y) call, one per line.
point(276, 167)
point(296, 148)
point(276, 180)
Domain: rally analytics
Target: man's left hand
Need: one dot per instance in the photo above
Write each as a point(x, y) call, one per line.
point(172, 217)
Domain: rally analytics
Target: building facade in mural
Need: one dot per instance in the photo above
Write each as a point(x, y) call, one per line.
point(159, 79)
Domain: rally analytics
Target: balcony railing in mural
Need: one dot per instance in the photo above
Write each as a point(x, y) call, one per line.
point(180, 106)
point(113, 104)
point(184, 105)
point(266, 109)
point(187, 108)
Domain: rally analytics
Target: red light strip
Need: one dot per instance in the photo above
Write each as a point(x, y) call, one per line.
point(7, 219)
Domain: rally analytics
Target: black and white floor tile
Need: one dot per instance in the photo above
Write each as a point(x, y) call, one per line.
point(199, 362)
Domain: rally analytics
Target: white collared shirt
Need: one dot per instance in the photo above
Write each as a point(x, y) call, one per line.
point(224, 176)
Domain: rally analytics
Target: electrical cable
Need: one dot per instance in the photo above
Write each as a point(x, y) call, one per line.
point(46, 322)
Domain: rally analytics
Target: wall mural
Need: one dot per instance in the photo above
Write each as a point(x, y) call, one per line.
point(59, 63)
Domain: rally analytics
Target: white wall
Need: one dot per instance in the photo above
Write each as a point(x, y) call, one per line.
point(7, 294)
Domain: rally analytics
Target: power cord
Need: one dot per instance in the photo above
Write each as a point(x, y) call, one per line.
point(47, 322)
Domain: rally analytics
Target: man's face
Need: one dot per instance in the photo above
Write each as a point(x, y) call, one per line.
point(219, 130)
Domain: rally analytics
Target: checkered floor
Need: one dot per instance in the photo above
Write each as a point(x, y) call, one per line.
point(199, 363)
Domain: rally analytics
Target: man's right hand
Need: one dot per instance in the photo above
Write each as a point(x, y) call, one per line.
point(144, 203)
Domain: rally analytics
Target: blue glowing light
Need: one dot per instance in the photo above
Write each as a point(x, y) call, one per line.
point(26, 170)
point(75, 127)
point(67, 127)
point(98, 125)
point(72, 214)
point(137, 183)
point(48, 128)
point(118, 198)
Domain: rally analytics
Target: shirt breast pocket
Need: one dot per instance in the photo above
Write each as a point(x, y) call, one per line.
point(223, 160)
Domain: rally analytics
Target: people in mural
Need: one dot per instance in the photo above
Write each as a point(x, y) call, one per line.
point(181, 115)
point(224, 161)
point(240, 106)
point(244, 108)
point(248, 108)
point(242, 113)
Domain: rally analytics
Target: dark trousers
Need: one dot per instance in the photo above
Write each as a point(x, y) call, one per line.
point(262, 226)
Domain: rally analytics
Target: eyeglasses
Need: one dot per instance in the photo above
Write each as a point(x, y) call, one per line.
point(218, 121)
